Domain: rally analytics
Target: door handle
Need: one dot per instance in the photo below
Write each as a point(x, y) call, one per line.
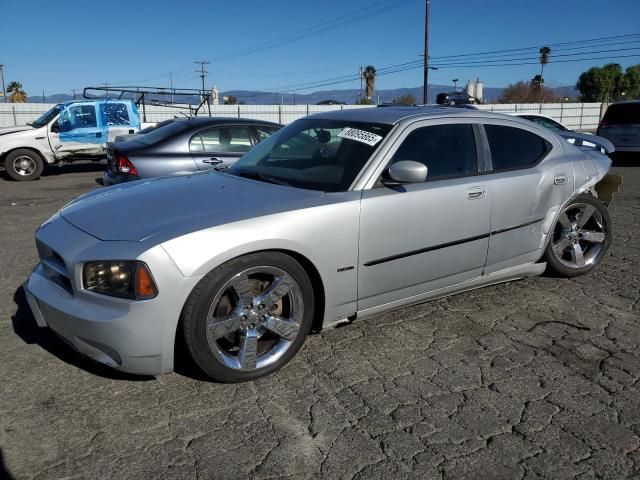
point(212, 161)
point(560, 180)
point(475, 193)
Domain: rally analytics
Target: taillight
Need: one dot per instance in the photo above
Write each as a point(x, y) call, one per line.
point(124, 165)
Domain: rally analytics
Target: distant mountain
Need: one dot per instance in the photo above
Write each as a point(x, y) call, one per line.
point(350, 96)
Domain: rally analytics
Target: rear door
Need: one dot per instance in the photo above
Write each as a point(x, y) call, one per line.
point(118, 118)
point(528, 179)
point(220, 146)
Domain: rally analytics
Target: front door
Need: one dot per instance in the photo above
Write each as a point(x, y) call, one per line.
point(77, 131)
point(416, 238)
point(220, 146)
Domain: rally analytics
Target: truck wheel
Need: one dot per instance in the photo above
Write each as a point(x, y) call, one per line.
point(24, 165)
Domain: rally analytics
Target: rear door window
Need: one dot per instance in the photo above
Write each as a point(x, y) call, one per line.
point(222, 140)
point(514, 148)
point(114, 114)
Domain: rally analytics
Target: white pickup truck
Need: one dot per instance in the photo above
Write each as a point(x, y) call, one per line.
point(69, 131)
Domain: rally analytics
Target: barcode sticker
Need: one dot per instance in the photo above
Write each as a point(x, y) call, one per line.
point(360, 136)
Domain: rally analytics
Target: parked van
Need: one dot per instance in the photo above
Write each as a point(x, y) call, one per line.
point(621, 126)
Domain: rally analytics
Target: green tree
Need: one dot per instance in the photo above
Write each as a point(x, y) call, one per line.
point(527, 92)
point(603, 84)
point(230, 100)
point(369, 75)
point(545, 53)
point(17, 95)
point(632, 76)
point(405, 100)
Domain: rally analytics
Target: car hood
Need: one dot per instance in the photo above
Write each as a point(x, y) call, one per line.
point(169, 207)
point(7, 130)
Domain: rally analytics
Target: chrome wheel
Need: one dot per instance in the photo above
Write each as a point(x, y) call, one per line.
point(254, 318)
point(24, 165)
point(579, 236)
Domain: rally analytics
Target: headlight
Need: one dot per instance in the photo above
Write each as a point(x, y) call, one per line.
point(119, 278)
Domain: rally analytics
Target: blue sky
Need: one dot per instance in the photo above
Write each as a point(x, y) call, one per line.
point(58, 46)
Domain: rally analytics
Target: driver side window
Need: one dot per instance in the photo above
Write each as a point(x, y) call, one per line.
point(448, 151)
point(77, 116)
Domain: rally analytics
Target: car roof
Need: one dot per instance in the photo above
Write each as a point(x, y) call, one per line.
point(626, 102)
point(393, 115)
point(200, 121)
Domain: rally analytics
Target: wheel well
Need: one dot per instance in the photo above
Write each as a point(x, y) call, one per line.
point(316, 281)
point(42, 157)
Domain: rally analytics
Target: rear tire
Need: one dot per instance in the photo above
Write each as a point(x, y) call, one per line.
point(580, 237)
point(24, 165)
point(248, 317)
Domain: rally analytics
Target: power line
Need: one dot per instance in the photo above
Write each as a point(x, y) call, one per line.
point(356, 16)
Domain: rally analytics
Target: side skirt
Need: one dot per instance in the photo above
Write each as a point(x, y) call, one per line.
point(501, 276)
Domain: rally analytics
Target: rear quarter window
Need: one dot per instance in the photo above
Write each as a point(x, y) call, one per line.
point(514, 148)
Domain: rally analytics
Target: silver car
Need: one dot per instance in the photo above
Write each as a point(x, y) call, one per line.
point(339, 215)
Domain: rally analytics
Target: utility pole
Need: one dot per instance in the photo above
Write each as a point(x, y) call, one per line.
point(73, 90)
point(43, 97)
point(203, 74)
point(455, 85)
point(171, 84)
point(4, 90)
point(361, 79)
point(425, 83)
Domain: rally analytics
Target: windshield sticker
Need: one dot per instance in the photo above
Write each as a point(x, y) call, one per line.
point(360, 136)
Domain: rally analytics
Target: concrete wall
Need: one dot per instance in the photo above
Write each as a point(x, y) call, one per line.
point(577, 116)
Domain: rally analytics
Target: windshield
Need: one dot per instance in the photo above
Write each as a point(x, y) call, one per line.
point(45, 118)
point(162, 132)
point(316, 154)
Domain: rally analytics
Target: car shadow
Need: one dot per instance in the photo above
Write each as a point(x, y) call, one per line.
point(4, 472)
point(183, 362)
point(76, 167)
point(625, 159)
point(25, 326)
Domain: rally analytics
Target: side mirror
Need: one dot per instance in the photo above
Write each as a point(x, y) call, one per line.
point(54, 127)
point(407, 171)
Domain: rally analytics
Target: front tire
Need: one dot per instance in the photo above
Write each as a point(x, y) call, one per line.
point(248, 317)
point(580, 237)
point(24, 165)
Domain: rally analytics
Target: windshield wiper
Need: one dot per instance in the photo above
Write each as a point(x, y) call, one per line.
point(263, 177)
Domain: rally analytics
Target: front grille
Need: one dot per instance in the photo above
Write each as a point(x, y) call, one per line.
point(54, 267)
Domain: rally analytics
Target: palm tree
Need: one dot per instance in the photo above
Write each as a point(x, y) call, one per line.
point(369, 74)
point(17, 94)
point(545, 53)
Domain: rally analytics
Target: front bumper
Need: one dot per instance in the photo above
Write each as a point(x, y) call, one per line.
point(128, 335)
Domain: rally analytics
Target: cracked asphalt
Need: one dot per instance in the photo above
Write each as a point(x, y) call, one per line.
point(531, 379)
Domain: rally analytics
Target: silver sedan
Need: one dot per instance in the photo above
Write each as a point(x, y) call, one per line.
point(339, 215)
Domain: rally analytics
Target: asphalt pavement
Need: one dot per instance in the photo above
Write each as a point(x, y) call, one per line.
point(537, 378)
